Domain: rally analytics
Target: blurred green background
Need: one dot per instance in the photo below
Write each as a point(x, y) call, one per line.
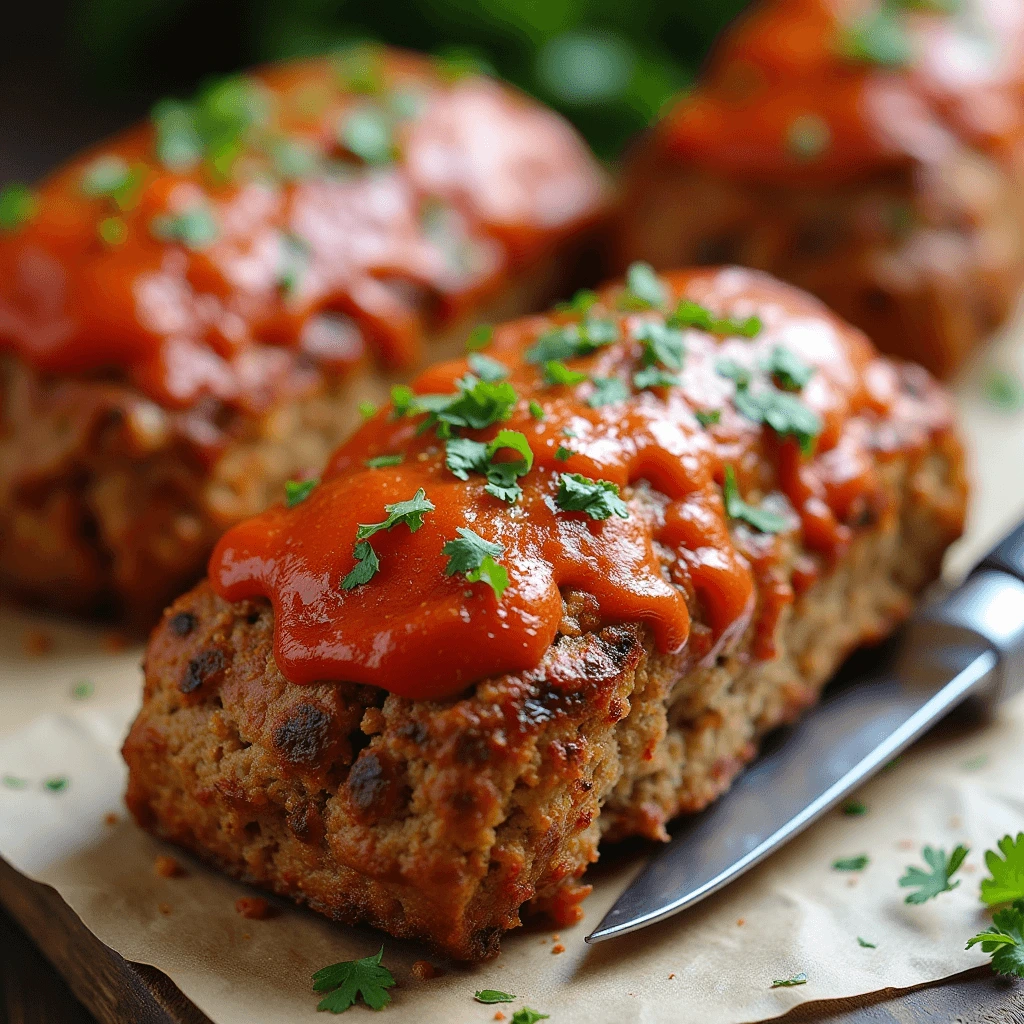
point(607, 64)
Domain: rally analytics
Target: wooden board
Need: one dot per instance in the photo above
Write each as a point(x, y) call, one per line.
point(117, 991)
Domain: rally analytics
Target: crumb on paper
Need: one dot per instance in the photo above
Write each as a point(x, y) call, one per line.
point(114, 642)
point(253, 908)
point(164, 908)
point(168, 867)
point(671, 977)
point(110, 818)
point(558, 948)
point(956, 822)
point(498, 1015)
point(851, 882)
point(424, 970)
point(246, 935)
point(969, 869)
point(905, 844)
point(556, 937)
point(740, 922)
point(36, 642)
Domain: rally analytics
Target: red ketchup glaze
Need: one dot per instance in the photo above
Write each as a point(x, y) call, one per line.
point(419, 633)
point(483, 179)
point(783, 98)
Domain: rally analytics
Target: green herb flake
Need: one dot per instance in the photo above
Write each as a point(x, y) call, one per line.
point(599, 499)
point(662, 345)
point(486, 368)
point(293, 261)
point(367, 566)
point(708, 417)
point(403, 400)
point(783, 412)
point(739, 374)
point(563, 454)
point(537, 410)
point(791, 373)
point(879, 38)
point(83, 690)
point(56, 783)
point(796, 979)
point(864, 944)
point(572, 340)
point(367, 410)
point(18, 205)
point(382, 461)
point(607, 391)
point(644, 289)
point(1004, 941)
point(692, 314)
point(14, 782)
point(296, 491)
point(502, 476)
point(477, 558)
point(179, 146)
point(195, 228)
point(480, 337)
point(1004, 391)
point(346, 982)
point(359, 68)
point(654, 377)
point(753, 515)
point(1007, 872)
point(112, 230)
point(854, 808)
point(105, 176)
point(808, 136)
point(858, 863)
point(476, 404)
point(975, 764)
point(928, 884)
point(409, 513)
point(582, 302)
point(491, 995)
point(528, 1016)
point(557, 373)
point(366, 133)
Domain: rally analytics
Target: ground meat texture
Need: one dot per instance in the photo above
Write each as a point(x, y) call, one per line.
point(446, 820)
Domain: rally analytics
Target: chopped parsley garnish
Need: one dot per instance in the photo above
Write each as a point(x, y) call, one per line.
point(408, 513)
point(808, 136)
point(296, 491)
point(537, 410)
point(294, 258)
point(105, 176)
point(563, 454)
point(469, 553)
point(179, 146)
point(1007, 881)
point(736, 372)
point(528, 1016)
point(1005, 391)
point(736, 508)
point(599, 499)
point(15, 782)
point(367, 566)
point(858, 863)
point(480, 337)
point(194, 228)
point(582, 302)
point(708, 417)
point(83, 690)
point(781, 411)
point(654, 377)
point(57, 783)
point(360, 68)
point(348, 981)
point(644, 290)
point(928, 884)
point(864, 944)
point(367, 409)
point(381, 461)
point(572, 340)
point(692, 314)
point(556, 373)
point(293, 159)
point(366, 133)
point(607, 391)
point(403, 398)
point(491, 995)
point(475, 404)
point(662, 345)
point(878, 38)
point(17, 206)
point(113, 230)
point(796, 979)
point(1004, 941)
point(791, 373)
point(854, 808)
point(463, 456)
point(486, 368)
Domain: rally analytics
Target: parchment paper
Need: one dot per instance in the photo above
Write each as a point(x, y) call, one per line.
point(714, 964)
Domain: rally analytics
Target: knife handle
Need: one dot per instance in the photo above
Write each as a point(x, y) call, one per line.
point(1008, 555)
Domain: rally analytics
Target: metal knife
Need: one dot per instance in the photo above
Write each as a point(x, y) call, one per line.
point(966, 646)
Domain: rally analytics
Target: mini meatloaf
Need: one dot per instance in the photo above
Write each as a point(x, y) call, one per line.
point(875, 162)
point(192, 313)
point(553, 594)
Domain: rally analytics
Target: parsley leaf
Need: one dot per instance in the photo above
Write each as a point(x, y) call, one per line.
point(112, 230)
point(14, 782)
point(475, 404)
point(298, 490)
point(528, 1016)
point(366, 133)
point(83, 690)
point(490, 995)
point(1007, 881)
point(607, 391)
point(808, 136)
point(878, 38)
point(463, 456)
point(347, 981)
point(930, 884)
point(294, 257)
point(864, 944)
point(486, 368)
point(17, 206)
point(796, 979)
point(1005, 940)
point(556, 372)
point(582, 302)
point(654, 377)
point(692, 314)
point(381, 461)
point(105, 176)
point(194, 228)
point(644, 290)
point(1005, 391)
point(854, 808)
point(791, 373)
point(480, 337)
point(734, 371)
point(367, 566)
point(858, 863)
point(599, 499)
point(367, 409)
point(736, 508)
point(572, 340)
point(781, 411)
point(469, 553)
point(537, 410)
point(359, 67)
point(563, 454)
point(179, 146)
point(57, 783)
point(662, 344)
point(708, 417)
point(409, 512)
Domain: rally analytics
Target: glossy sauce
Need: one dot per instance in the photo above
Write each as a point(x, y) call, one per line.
point(484, 179)
point(780, 99)
point(419, 633)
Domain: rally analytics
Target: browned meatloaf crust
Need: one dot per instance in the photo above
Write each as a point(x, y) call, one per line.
point(440, 820)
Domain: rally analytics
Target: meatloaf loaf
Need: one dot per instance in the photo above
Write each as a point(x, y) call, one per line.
point(422, 695)
point(193, 312)
point(869, 153)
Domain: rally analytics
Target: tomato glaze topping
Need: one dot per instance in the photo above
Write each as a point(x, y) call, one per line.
point(699, 498)
point(816, 90)
point(313, 206)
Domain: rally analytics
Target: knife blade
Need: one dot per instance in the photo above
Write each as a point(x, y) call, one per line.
point(967, 646)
